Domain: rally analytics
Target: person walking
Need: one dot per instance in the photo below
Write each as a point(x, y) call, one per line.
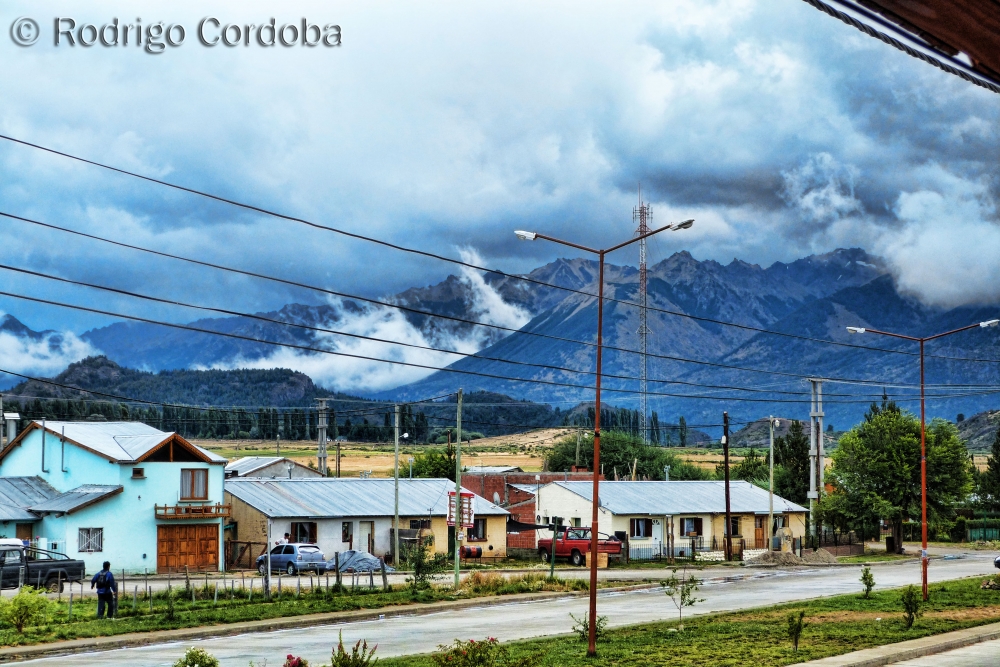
point(107, 590)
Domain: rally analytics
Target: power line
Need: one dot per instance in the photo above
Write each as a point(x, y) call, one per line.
point(417, 311)
point(431, 255)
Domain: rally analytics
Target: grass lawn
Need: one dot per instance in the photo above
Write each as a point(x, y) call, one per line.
point(876, 557)
point(833, 626)
point(179, 611)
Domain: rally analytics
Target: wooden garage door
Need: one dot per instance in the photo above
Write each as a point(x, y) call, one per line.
point(195, 546)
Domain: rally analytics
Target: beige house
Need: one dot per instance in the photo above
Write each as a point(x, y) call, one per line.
point(269, 466)
point(654, 516)
point(341, 514)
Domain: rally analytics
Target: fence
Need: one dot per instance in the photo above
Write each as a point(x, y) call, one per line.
point(836, 542)
point(684, 547)
point(243, 555)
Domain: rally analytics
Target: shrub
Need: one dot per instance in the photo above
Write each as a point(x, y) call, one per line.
point(958, 530)
point(681, 592)
point(486, 653)
point(424, 565)
point(197, 657)
point(868, 581)
point(795, 624)
point(360, 655)
point(581, 626)
point(28, 607)
point(292, 661)
point(911, 605)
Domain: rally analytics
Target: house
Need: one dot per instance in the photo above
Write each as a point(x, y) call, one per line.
point(691, 515)
point(118, 491)
point(514, 490)
point(269, 466)
point(17, 494)
point(340, 514)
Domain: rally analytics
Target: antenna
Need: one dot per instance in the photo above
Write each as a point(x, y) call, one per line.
point(643, 215)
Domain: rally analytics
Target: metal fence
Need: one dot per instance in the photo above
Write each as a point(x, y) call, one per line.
point(983, 534)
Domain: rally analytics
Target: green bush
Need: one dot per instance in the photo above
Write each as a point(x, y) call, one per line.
point(28, 607)
point(360, 655)
point(197, 657)
point(795, 624)
point(581, 626)
point(958, 530)
point(868, 581)
point(486, 653)
point(911, 605)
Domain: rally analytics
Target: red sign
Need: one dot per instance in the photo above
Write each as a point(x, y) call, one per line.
point(466, 512)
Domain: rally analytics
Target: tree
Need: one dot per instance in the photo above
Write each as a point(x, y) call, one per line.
point(791, 461)
point(682, 431)
point(681, 592)
point(795, 624)
point(435, 463)
point(28, 607)
point(868, 581)
point(989, 479)
point(753, 468)
point(619, 451)
point(911, 605)
point(876, 471)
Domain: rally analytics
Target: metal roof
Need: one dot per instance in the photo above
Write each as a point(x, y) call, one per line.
point(680, 497)
point(122, 442)
point(492, 470)
point(75, 499)
point(328, 497)
point(19, 493)
point(248, 465)
point(527, 488)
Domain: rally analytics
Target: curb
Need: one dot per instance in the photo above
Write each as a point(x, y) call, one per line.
point(134, 639)
point(910, 649)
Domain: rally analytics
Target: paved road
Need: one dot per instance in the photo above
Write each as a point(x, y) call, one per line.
point(422, 633)
point(986, 654)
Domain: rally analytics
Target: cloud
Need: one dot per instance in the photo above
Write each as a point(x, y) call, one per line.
point(821, 189)
point(347, 373)
point(44, 355)
point(946, 250)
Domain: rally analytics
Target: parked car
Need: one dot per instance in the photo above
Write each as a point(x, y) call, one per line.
point(37, 567)
point(573, 543)
point(293, 558)
point(997, 561)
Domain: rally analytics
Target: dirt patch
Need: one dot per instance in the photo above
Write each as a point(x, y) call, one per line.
point(818, 556)
point(777, 558)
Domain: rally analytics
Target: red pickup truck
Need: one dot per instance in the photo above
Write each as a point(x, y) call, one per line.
point(573, 543)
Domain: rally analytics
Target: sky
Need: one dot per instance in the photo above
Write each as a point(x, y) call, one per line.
point(446, 125)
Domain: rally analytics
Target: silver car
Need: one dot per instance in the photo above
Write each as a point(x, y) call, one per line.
point(293, 558)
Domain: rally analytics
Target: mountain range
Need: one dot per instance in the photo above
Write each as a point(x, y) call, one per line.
point(701, 311)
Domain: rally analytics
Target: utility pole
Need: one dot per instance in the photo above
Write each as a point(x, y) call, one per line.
point(816, 457)
point(576, 462)
point(458, 489)
point(333, 424)
point(395, 535)
point(321, 451)
point(642, 214)
point(770, 494)
point(725, 453)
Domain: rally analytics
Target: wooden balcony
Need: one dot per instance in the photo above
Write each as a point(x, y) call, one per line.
point(187, 512)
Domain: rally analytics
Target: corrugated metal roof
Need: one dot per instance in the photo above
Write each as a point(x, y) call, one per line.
point(248, 464)
point(492, 470)
point(527, 488)
point(19, 493)
point(81, 496)
point(123, 442)
point(669, 498)
point(330, 497)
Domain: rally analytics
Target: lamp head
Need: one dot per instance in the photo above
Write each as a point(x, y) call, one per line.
point(405, 436)
point(989, 323)
point(525, 236)
point(855, 330)
point(682, 225)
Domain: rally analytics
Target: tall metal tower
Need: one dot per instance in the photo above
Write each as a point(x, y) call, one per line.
point(642, 215)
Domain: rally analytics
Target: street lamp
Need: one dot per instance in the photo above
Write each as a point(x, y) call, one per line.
point(923, 434)
point(773, 423)
point(532, 236)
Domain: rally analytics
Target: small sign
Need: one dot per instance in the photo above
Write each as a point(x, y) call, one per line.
point(466, 511)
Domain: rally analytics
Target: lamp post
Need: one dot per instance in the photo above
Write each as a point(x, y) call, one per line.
point(532, 236)
point(923, 434)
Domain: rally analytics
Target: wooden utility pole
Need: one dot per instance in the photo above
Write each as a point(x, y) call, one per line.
point(576, 462)
point(395, 532)
point(458, 489)
point(725, 454)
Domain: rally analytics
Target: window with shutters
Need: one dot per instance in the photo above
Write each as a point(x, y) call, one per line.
point(420, 524)
point(692, 526)
point(90, 540)
point(194, 484)
point(640, 528)
point(478, 531)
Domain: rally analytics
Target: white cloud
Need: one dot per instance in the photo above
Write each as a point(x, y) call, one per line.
point(822, 189)
point(43, 357)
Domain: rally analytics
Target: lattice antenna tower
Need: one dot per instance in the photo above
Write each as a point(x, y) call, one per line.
point(642, 215)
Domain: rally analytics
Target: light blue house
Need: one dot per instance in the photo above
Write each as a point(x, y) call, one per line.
point(125, 492)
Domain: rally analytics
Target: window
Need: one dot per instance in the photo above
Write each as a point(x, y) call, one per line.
point(288, 550)
point(347, 532)
point(576, 522)
point(640, 528)
point(138, 473)
point(91, 540)
point(420, 524)
point(308, 549)
point(692, 526)
point(11, 556)
point(304, 531)
point(194, 484)
point(734, 526)
point(277, 551)
point(478, 531)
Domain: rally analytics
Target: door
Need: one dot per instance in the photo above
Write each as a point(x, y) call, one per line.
point(12, 564)
point(24, 531)
point(195, 546)
point(367, 537)
point(759, 530)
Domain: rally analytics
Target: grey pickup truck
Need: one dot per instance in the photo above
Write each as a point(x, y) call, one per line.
point(28, 566)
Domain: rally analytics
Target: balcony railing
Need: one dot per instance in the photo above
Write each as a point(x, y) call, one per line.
point(216, 511)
